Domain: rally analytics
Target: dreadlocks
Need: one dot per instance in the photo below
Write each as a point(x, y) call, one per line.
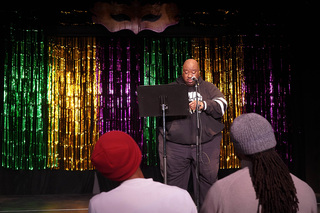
point(273, 184)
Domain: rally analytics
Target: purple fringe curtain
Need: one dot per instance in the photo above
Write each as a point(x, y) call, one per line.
point(268, 73)
point(119, 68)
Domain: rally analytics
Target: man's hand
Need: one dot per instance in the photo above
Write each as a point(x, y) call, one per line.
point(192, 105)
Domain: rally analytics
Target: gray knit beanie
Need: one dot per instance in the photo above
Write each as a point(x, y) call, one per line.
point(251, 133)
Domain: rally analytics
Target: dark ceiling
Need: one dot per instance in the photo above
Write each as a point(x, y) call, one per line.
point(198, 17)
point(271, 10)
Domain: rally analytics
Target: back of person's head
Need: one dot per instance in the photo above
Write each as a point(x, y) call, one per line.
point(116, 156)
point(254, 137)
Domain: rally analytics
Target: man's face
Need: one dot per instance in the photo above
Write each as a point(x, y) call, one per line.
point(190, 69)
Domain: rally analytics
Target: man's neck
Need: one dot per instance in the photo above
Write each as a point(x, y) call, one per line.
point(137, 174)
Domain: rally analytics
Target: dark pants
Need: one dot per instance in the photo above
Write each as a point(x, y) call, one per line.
point(181, 160)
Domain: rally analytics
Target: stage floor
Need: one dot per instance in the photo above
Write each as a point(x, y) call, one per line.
point(53, 203)
point(45, 203)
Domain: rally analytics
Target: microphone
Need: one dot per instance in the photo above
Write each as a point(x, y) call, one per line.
point(194, 78)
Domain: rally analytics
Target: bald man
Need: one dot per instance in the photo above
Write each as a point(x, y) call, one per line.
point(182, 132)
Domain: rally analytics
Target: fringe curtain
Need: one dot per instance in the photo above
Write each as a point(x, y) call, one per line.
point(221, 61)
point(61, 95)
point(23, 126)
point(73, 104)
point(163, 60)
point(119, 68)
point(268, 73)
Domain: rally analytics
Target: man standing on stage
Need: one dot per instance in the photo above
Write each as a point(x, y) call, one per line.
point(182, 132)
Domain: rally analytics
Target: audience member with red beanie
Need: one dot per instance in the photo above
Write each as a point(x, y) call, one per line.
point(117, 156)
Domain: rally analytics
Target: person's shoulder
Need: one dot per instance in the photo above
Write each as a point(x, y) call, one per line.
point(301, 185)
point(240, 173)
point(166, 187)
point(306, 196)
point(230, 185)
point(163, 188)
point(105, 195)
point(235, 181)
point(98, 197)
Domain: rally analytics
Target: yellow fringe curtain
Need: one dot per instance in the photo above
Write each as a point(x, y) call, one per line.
point(221, 62)
point(73, 105)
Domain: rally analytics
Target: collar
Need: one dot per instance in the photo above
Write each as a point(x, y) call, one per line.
point(136, 182)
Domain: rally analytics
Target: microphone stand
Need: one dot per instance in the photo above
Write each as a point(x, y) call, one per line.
point(164, 107)
point(197, 149)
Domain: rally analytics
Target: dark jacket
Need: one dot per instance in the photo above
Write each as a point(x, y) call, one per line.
point(182, 129)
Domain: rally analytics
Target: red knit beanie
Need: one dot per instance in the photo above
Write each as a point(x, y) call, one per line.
point(116, 156)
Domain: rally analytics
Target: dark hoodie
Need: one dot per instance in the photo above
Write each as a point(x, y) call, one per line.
point(183, 129)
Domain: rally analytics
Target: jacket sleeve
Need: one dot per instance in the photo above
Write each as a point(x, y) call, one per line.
point(216, 104)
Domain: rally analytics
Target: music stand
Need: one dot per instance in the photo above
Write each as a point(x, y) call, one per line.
point(163, 100)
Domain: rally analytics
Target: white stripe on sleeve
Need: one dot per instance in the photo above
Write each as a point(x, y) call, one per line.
point(223, 104)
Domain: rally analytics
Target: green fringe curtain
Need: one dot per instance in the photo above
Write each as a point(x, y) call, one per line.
point(24, 144)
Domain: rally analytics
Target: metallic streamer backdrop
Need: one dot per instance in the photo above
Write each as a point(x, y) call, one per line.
point(24, 100)
point(90, 87)
point(73, 102)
